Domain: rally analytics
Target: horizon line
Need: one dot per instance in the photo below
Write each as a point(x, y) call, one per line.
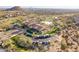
point(43, 7)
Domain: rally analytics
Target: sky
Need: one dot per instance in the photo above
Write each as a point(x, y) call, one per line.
point(42, 3)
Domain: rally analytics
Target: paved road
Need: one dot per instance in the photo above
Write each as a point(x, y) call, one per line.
point(2, 50)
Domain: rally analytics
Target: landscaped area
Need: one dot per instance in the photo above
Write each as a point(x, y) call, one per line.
point(22, 31)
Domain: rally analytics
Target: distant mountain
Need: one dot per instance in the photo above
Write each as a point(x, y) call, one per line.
point(15, 8)
point(50, 10)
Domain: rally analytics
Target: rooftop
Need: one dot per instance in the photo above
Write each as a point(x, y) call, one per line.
point(38, 26)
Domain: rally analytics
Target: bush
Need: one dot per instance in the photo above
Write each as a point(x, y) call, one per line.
point(22, 41)
point(53, 30)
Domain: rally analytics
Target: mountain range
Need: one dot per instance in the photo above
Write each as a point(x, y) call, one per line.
point(42, 10)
